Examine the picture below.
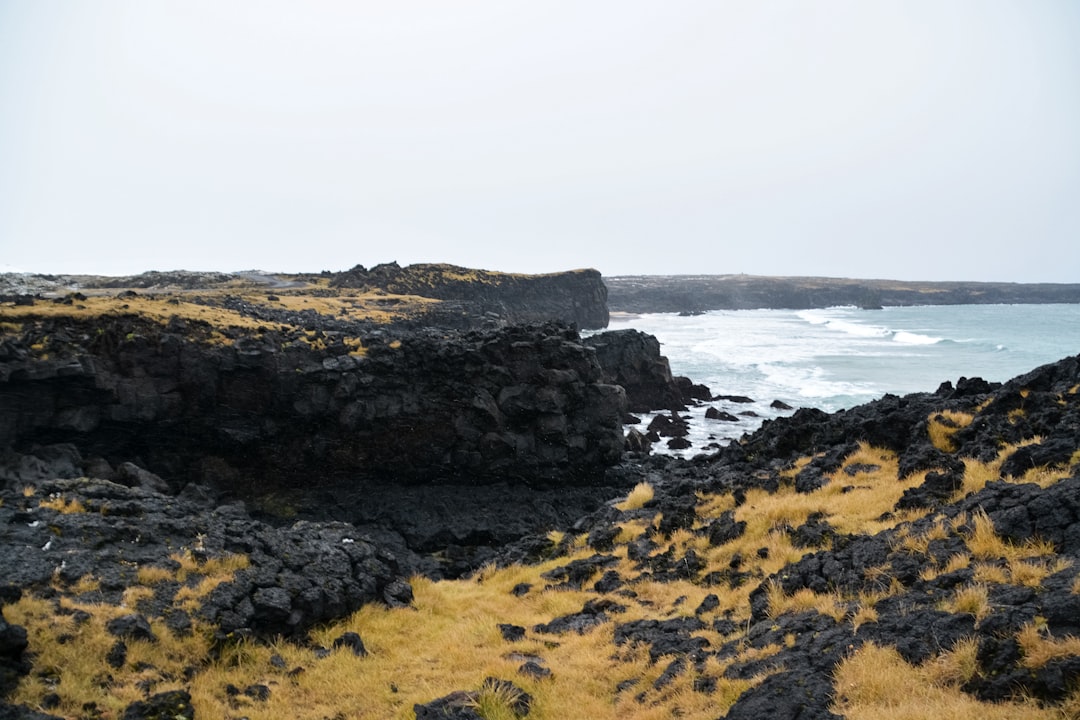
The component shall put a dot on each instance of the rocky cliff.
(526, 404)
(578, 296)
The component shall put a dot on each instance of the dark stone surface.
(298, 576)
(172, 705)
(525, 402)
(632, 359)
(577, 296)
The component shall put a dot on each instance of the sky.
(903, 139)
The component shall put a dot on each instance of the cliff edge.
(577, 296)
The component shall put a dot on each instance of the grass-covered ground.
(450, 638)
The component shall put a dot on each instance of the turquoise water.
(840, 357)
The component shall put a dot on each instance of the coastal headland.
(421, 493)
(700, 293)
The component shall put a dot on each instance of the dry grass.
(876, 684)
(943, 425)
(450, 640)
(225, 564)
(153, 574)
(641, 494)
(991, 573)
(1038, 648)
(920, 544)
(62, 505)
(970, 600)
(956, 562)
(70, 658)
(985, 544)
(163, 307)
(803, 599)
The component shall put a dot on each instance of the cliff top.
(432, 294)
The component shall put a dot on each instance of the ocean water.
(839, 357)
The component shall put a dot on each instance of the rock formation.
(523, 403)
(578, 296)
(632, 360)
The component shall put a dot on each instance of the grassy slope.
(450, 639)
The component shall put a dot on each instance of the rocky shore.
(236, 516)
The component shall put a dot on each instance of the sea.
(839, 357)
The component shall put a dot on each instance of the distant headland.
(700, 293)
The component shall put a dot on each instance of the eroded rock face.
(632, 359)
(577, 296)
(521, 403)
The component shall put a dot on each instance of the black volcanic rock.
(577, 296)
(295, 577)
(13, 665)
(632, 359)
(530, 403)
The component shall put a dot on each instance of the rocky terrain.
(577, 297)
(214, 504)
(700, 293)
(420, 295)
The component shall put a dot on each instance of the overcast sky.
(909, 139)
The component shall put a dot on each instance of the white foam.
(858, 329)
(814, 317)
(810, 382)
(910, 338)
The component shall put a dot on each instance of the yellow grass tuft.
(153, 574)
(85, 584)
(971, 600)
(135, 594)
(62, 505)
(959, 561)
(641, 494)
(803, 599)
(1028, 573)
(920, 544)
(956, 666)
(985, 544)
(1039, 648)
(943, 425)
(991, 573)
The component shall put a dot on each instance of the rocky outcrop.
(525, 403)
(284, 579)
(577, 296)
(632, 359)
